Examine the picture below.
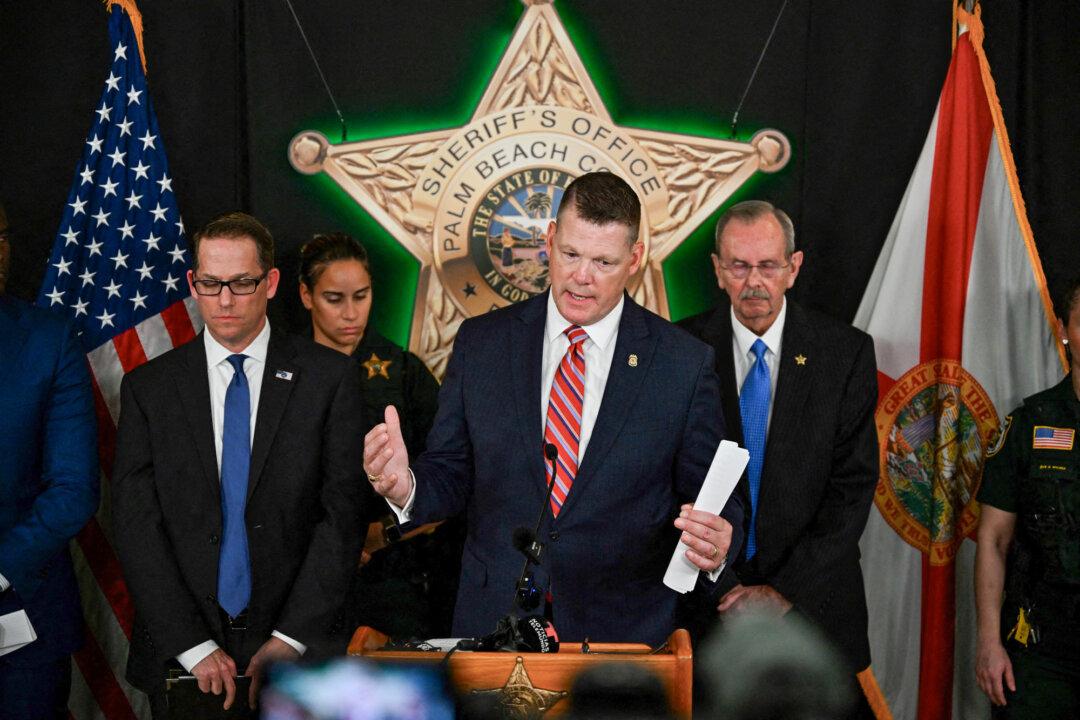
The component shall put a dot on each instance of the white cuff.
(297, 646)
(404, 514)
(4, 584)
(715, 574)
(191, 658)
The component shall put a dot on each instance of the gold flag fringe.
(135, 16)
(976, 32)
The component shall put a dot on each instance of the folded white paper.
(727, 467)
(15, 631)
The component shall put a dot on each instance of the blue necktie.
(234, 568)
(754, 408)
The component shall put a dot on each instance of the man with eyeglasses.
(798, 391)
(236, 491)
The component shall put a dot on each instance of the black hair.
(326, 248)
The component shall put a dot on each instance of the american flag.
(1052, 438)
(117, 268)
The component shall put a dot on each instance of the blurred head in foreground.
(762, 668)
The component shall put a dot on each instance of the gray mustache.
(755, 294)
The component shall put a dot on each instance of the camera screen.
(356, 689)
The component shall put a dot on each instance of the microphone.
(551, 452)
(525, 541)
(527, 595)
(532, 633)
(538, 634)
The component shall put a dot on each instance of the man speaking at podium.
(630, 403)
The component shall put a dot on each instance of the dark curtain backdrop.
(852, 84)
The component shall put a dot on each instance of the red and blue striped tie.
(563, 427)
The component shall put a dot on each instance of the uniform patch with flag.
(963, 329)
(117, 268)
(1052, 438)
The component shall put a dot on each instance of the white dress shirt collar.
(256, 350)
(600, 332)
(745, 337)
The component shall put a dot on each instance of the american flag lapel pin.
(283, 375)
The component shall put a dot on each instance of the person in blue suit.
(631, 402)
(48, 490)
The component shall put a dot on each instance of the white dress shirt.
(742, 340)
(220, 373)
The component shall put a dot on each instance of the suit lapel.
(273, 398)
(718, 334)
(792, 387)
(622, 389)
(193, 387)
(526, 361)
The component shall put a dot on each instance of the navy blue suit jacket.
(655, 436)
(48, 473)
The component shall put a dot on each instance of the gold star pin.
(632, 360)
(800, 359)
(377, 366)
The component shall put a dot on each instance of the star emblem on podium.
(519, 699)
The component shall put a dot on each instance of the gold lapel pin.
(800, 359)
(632, 360)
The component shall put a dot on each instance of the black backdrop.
(852, 84)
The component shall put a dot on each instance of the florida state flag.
(963, 329)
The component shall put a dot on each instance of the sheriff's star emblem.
(519, 699)
(377, 366)
(472, 204)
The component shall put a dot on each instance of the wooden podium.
(540, 682)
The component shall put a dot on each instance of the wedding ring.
(714, 553)
(374, 478)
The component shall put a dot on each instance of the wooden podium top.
(538, 683)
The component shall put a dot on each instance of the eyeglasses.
(239, 286)
(768, 269)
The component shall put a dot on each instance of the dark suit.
(820, 468)
(303, 504)
(48, 479)
(651, 446)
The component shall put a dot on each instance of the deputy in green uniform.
(406, 586)
(1028, 549)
